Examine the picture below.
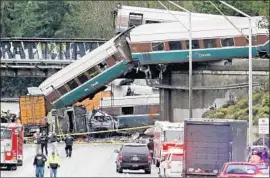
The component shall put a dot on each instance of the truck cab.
(172, 164)
(12, 137)
(167, 135)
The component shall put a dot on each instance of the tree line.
(93, 19)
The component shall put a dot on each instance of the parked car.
(133, 156)
(172, 164)
(240, 169)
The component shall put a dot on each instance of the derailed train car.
(212, 41)
(69, 120)
(89, 75)
(128, 16)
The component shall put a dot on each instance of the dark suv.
(133, 157)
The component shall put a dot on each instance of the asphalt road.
(87, 160)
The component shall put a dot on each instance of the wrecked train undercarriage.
(81, 124)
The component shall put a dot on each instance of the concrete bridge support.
(211, 88)
(165, 99)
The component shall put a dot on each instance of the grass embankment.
(239, 110)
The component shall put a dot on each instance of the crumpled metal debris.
(149, 131)
(135, 136)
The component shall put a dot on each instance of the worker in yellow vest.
(53, 163)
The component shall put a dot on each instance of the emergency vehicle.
(12, 137)
(167, 135)
(172, 164)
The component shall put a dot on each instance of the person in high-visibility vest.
(53, 163)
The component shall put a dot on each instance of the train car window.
(195, 44)
(62, 90)
(159, 46)
(227, 42)
(135, 19)
(53, 96)
(72, 84)
(103, 66)
(93, 72)
(114, 58)
(118, 56)
(175, 45)
(82, 78)
(254, 39)
(127, 110)
(151, 21)
(210, 43)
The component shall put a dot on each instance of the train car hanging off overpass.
(89, 75)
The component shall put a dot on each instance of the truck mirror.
(116, 151)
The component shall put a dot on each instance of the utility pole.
(190, 82)
(250, 120)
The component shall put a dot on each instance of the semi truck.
(209, 143)
(37, 114)
(33, 111)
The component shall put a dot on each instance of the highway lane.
(88, 160)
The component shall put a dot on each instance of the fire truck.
(167, 135)
(12, 138)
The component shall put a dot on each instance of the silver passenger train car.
(89, 75)
(128, 16)
(216, 40)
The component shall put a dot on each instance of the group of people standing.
(53, 161)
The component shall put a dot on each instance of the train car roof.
(72, 70)
(200, 29)
(162, 14)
